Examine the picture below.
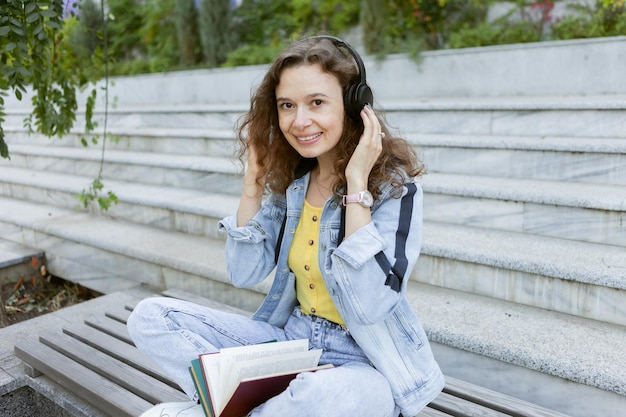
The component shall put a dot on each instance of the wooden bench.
(97, 361)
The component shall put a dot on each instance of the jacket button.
(306, 267)
(314, 218)
(313, 310)
(312, 286)
(311, 242)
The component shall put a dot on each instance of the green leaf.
(23, 71)
(30, 7)
(52, 24)
(32, 17)
(84, 142)
(4, 30)
(10, 46)
(4, 149)
(18, 30)
(18, 94)
(48, 13)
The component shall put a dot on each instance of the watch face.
(366, 199)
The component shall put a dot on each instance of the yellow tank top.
(311, 290)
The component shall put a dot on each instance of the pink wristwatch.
(364, 198)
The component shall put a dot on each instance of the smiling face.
(310, 110)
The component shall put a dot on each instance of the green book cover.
(198, 380)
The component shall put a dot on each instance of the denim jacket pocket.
(404, 326)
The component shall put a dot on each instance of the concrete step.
(207, 173)
(517, 348)
(599, 116)
(578, 278)
(572, 159)
(110, 254)
(168, 208)
(190, 115)
(577, 211)
(194, 202)
(176, 141)
(602, 117)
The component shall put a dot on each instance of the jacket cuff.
(252, 232)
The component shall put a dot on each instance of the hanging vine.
(94, 193)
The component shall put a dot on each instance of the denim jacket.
(366, 275)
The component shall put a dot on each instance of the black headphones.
(357, 95)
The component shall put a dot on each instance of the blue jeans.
(173, 332)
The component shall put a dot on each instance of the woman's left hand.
(366, 153)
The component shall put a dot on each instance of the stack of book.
(235, 380)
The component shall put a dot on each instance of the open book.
(233, 381)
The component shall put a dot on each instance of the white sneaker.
(182, 409)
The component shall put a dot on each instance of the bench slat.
(497, 401)
(121, 314)
(110, 327)
(114, 370)
(117, 349)
(88, 385)
(431, 412)
(462, 408)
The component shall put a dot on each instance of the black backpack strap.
(342, 226)
(280, 238)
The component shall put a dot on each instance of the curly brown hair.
(259, 127)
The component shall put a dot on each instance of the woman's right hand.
(252, 189)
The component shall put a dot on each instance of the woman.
(341, 224)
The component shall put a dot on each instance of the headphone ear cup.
(355, 98)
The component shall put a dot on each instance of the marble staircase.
(522, 279)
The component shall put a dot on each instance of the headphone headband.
(357, 95)
(357, 58)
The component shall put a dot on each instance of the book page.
(211, 369)
(230, 356)
(259, 368)
(278, 365)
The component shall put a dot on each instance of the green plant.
(263, 27)
(324, 16)
(525, 22)
(604, 18)
(158, 34)
(373, 19)
(481, 35)
(252, 55)
(214, 28)
(187, 31)
(416, 25)
(38, 51)
(30, 34)
(94, 192)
